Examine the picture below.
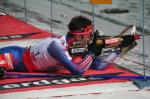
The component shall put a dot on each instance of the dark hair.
(78, 23)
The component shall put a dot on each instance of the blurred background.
(56, 14)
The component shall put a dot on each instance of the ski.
(47, 75)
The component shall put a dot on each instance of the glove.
(127, 40)
(95, 49)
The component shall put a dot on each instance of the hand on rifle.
(128, 40)
(103, 41)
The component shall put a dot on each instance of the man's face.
(79, 40)
(85, 39)
(83, 35)
(78, 44)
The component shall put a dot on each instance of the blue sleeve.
(57, 52)
(100, 64)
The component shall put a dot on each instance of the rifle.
(124, 42)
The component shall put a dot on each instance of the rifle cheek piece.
(99, 42)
